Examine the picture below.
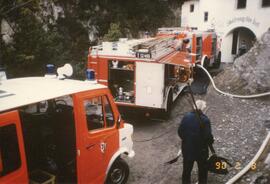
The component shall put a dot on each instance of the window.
(214, 45)
(205, 16)
(108, 113)
(9, 150)
(94, 113)
(241, 4)
(198, 47)
(192, 8)
(99, 113)
(265, 3)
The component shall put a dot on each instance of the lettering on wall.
(244, 20)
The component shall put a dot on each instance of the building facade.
(238, 22)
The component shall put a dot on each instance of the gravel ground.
(262, 172)
(238, 125)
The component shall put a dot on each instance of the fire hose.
(249, 165)
(236, 177)
(266, 140)
(228, 94)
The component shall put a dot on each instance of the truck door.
(149, 84)
(12, 155)
(198, 48)
(214, 47)
(96, 134)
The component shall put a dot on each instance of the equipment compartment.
(121, 80)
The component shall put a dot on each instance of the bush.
(114, 33)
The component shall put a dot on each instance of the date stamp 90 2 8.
(237, 166)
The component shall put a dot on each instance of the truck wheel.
(118, 173)
(218, 61)
(168, 110)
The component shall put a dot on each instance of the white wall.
(224, 17)
(226, 49)
(188, 18)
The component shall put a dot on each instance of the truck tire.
(217, 63)
(167, 111)
(118, 173)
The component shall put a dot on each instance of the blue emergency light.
(90, 74)
(50, 69)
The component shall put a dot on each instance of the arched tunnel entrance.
(237, 42)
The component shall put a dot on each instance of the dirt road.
(238, 126)
(148, 164)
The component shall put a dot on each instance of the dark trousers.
(187, 168)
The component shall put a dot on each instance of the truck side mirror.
(118, 122)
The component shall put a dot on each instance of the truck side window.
(108, 112)
(94, 113)
(9, 150)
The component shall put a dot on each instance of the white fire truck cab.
(61, 130)
(147, 73)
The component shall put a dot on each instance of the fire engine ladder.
(155, 48)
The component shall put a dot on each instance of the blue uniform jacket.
(195, 143)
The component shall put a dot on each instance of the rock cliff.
(250, 73)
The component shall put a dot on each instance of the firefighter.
(187, 45)
(195, 141)
(242, 48)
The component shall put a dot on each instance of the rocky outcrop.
(250, 73)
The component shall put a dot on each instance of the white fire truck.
(151, 72)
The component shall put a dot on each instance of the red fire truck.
(61, 130)
(152, 72)
(204, 46)
(142, 72)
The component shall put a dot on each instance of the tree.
(114, 33)
(37, 41)
(5, 9)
